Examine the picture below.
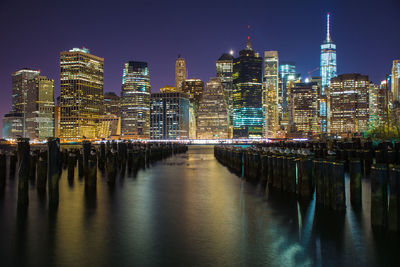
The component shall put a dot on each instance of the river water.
(187, 210)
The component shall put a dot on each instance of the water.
(184, 211)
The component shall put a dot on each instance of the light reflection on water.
(186, 210)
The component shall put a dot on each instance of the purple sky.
(33, 33)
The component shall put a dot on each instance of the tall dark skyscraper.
(247, 94)
(135, 101)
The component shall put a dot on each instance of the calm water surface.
(184, 211)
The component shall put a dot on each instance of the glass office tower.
(135, 101)
(247, 94)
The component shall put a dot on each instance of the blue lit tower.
(247, 94)
(328, 59)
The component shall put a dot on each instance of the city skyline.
(201, 56)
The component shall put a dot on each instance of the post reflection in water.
(186, 210)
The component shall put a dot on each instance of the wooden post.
(379, 196)
(23, 171)
(53, 165)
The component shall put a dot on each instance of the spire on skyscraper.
(248, 43)
(328, 33)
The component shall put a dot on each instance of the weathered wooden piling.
(112, 162)
(338, 186)
(13, 163)
(305, 188)
(102, 156)
(3, 170)
(23, 171)
(355, 182)
(32, 165)
(53, 172)
(394, 199)
(327, 170)
(91, 173)
(379, 196)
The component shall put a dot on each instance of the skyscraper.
(20, 81)
(349, 104)
(396, 80)
(212, 120)
(81, 98)
(247, 94)
(40, 108)
(169, 116)
(112, 104)
(194, 89)
(328, 66)
(180, 72)
(135, 101)
(224, 66)
(303, 107)
(272, 103)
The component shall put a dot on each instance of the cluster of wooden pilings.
(43, 166)
(308, 169)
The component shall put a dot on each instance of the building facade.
(328, 66)
(135, 101)
(396, 80)
(39, 115)
(272, 103)
(13, 125)
(378, 104)
(20, 81)
(81, 98)
(112, 104)
(168, 89)
(349, 104)
(169, 116)
(212, 120)
(224, 67)
(247, 94)
(180, 72)
(303, 108)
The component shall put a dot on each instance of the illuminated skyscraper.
(349, 104)
(40, 108)
(303, 107)
(169, 116)
(328, 66)
(396, 80)
(135, 101)
(272, 103)
(224, 67)
(194, 89)
(212, 120)
(247, 94)
(180, 72)
(20, 81)
(287, 73)
(112, 104)
(81, 98)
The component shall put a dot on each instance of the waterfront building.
(328, 66)
(13, 125)
(20, 81)
(109, 126)
(81, 98)
(272, 102)
(57, 119)
(135, 101)
(247, 94)
(378, 104)
(194, 89)
(180, 72)
(396, 80)
(303, 108)
(112, 104)
(212, 119)
(349, 103)
(224, 67)
(287, 73)
(168, 89)
(192, 122)
(169, 116)
(39, 114)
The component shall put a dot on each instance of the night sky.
(33, 33)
